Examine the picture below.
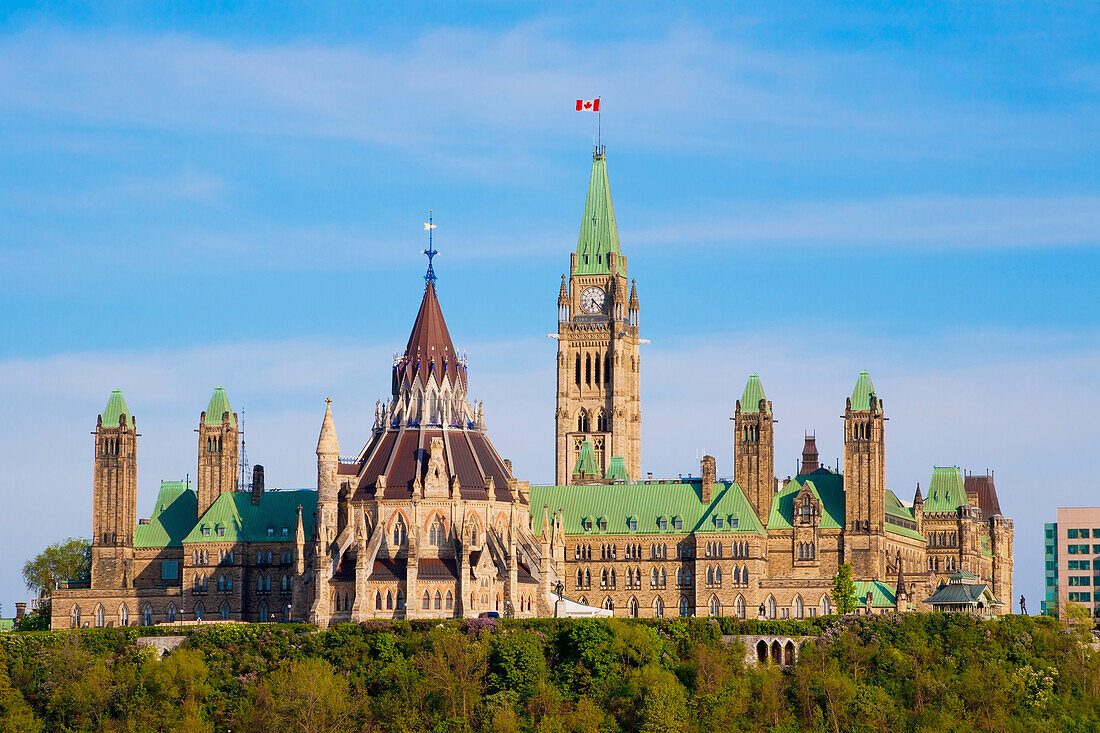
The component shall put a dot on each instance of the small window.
(733, 522)
(205, 531)
(663, 524)
(603, 525)
(678, 523)
(270, 531)
(718, 522)
(632, 524)
(1071, 533)
(221, 531)
(587, 524)
(286, 531)
(1095, 533)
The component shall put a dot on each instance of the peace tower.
(598, 398)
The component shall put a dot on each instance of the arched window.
(426, 601)
(799, 610)
(378, 600)
(826, 605)
(123, 616)
(224, 611)
(745, 574)
(100, 619)
(663, 577)
(399, 532)
(653, 577)
(76, 617)
(739, 606)
(685, 608)
(609, 604)
(171, 613)
(389, 600)
(718, 576)
(450, 601)
(715, 606)
(770, 607)
(438, 601)
(710, 576)
(612, 577)
(633, 607)
(262, 615)
(603, 578)
(200, 611)
(658, 607)
(587, 578)
(400, 601)
(437, 532)
(147, 615)
(587, 370)
(577, 371)
(580, 578)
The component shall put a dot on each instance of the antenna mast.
(244, 481)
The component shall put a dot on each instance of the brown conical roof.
(429, 350)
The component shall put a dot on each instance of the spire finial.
(429, 276)
(328, 400)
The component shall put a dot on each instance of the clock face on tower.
(592, 300)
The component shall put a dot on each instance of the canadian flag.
(588, 105)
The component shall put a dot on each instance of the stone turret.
(328, 457)
(114, 495)
(754, 447)
(219, 450)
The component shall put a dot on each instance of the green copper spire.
(946, 491)
(754, 392)
(219, 404)
(586, 461)
(115, 409)
(599, 235)
(616, 470)
(863, 394)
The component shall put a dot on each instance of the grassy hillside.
(892, 673)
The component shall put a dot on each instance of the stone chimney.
(20, 610)
(709, 473)
(810, 461)
(257, 483)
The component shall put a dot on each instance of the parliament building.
(427, 520)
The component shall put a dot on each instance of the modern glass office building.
(1072, 560)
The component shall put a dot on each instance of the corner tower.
(864, 459)
(754, 447)
(114, 495)
(598, 395)
(219, 448)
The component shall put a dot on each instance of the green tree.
(844, 589)
(68, 560)
(306, 695)
(516, 662)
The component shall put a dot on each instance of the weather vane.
(429, 276)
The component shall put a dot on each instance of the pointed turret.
(219, 450)
(599, 235)
(917, 498)
(219, 408)
(754, 447)
(429, 351)
(328, 457)
(863, 395)
(563, 293)
(587, 470)
(116, 410)
(753, 395)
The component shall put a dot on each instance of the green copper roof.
(827, 486)
(894, 508)
(864, 392)
(884, 596)
(945, 491)
(599, 235)
(586, 461)
(173, 517)
(754, 392)
(115, 409)
(654, 508)
(244, 521)
(219, 405)
(616, 470)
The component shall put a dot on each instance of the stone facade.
(427, 520)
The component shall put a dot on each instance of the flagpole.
(599, 125)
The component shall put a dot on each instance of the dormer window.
(270, 531)
(286, 531)
(220, 530)
(205, 531)
(734, 522)
(632, 524)
(602, 524)
(718, 522)
(587, 524)
(677, 523)
(662, 523)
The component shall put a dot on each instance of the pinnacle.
(326, 441)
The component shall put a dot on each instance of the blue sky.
(234, 195)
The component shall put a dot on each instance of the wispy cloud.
(936, 221)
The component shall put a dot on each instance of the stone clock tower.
(598, 362)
